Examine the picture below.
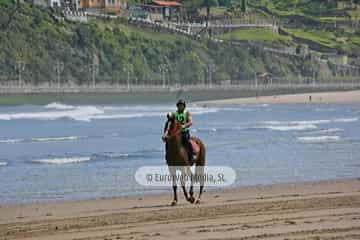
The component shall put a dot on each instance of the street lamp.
(59, 68)
(211, 71)
(256, 80)
(93, 69)
(169, 69)
(20, 67)
(163, 69)
(128, 69)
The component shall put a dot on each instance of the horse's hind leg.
(199, 172)
(191, 191)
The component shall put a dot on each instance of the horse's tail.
(201, 161)
(200, 166)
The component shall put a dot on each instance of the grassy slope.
(315, 23)
(327, 39)
(255, 34)
(36, 38)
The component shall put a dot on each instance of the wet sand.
(312, 210)
(341, 97)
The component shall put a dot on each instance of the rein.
(174, 133)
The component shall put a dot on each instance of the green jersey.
(182, 117)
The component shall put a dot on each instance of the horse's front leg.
(200, 174)
(183, 177)
(175, 200)
(174, 185)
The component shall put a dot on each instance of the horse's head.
(174, 128)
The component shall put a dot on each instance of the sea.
(56, 151)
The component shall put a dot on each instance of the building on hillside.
(66, 5)
(54, 3)
(106, 6)
(170, 10)
(159, 11)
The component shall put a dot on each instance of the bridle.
(172, 130)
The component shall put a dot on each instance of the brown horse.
(177, 159)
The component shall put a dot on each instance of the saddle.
(196, 148)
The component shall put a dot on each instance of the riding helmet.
(181, 101)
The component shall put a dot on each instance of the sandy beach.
(312, 210)
(341, 97)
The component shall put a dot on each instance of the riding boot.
(187, 143)
(191, 153)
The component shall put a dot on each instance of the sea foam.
(58, 106)
(54, 111)
(55, 139)
(2, 164)
(59, 161)
(319, 139)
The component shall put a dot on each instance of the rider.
(185, 118)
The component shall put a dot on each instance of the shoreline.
(280, 210)
(194, 94)
(333, 97)
(165, 192)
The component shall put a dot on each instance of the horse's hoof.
(197, 201)
(191, 199)
(173, 203)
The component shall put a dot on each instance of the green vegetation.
(255, 34)
(327, 39)
(299, 7)
(38, 38)
(344, 43)
(325, 26)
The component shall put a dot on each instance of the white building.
(54, 3)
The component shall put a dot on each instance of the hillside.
(40, 39)
(326, 26)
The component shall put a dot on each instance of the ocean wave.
(319, 139)
(62, 160)
(142, 114)
(126, 115)
(262, 105)
(325, 109)
(157, 108)
(55, 139)
(304, 122)
(330, 130)
(200, 111)
(59, 106)
(12, 140)
(83, 113)
(204, 129)
(139, 108)
(112, 155)
(88, 113)
(346, 120)
(40, 139)
(291, 127)
(2, 164)
(321, 121)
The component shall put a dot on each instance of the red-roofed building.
(171, 10)
(160, 11)
(167, 3)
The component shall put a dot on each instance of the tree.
(208, 4)
(243, 6)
